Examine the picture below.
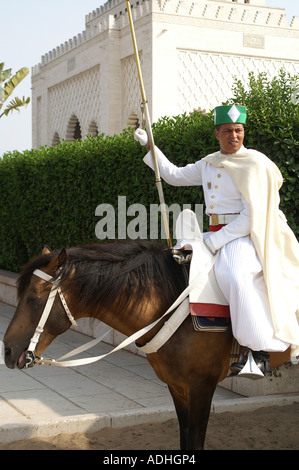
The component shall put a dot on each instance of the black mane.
(101, 272)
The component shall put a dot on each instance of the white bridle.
(30, 353)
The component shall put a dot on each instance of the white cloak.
(248, 183)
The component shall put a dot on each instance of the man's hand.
(141, 136)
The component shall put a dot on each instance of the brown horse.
(127, 285)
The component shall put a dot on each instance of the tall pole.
(149, 130)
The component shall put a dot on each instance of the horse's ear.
(46, 250)
(56, 262)
(61, 258)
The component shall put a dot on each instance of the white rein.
(182, 310)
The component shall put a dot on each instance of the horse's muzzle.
(9, 358)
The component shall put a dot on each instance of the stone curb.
(94, 422)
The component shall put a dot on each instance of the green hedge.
(49, 196)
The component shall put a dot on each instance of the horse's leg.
(192, 364)
(181, 409)
(199, 404)
(193, 410)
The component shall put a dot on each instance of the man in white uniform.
(250, 235)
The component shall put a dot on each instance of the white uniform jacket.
(220, 193)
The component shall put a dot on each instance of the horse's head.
(31, 305)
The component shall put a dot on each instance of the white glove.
(141, 136)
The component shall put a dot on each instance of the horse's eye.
(33, 300)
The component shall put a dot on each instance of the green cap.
(228, 114)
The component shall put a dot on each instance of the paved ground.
(120, 390)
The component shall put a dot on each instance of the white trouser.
(240, 277)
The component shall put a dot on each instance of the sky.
(29, 29)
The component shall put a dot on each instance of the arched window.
(77, 132)
(73, 131)
(93, 129)
(56, 140)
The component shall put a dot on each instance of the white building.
(190, 51)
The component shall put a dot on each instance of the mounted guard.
(257, 254)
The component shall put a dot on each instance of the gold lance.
(144, 105)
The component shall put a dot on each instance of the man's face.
(230, 137)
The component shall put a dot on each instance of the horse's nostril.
(9, 362)
(7, 353)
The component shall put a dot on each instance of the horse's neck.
(141, 309)
(136, 316)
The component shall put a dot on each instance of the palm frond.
(15, 104)
(4, 74)
(14, 81)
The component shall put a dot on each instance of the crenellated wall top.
(113, 15)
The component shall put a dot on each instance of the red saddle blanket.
(210, 317)
(210, 310)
